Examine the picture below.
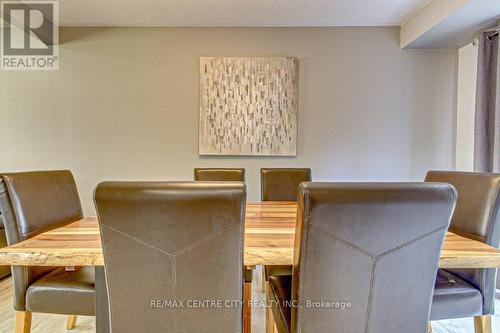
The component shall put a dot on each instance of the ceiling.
(237, 12)
(460, 27)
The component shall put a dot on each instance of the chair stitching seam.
(137, 240)
(174, 276)
(370, 296)
(340, 240)
(206, 239)
(369, 254)
(399, 247)
(190, 247)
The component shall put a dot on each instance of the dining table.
(268, 240)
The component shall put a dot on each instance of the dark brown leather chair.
(32, 203)
(223, 175)
(281, 184)
(219, 174)
(360, 245)
(4, 270)
(170, 242)
(463, 293)
(238, 175)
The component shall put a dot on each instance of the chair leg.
(482, 324)
(269, 313)
(23, 322)
(263, 278)
(71, 323)
(429, 329)
(247, 308)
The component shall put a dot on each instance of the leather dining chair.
(358, 247)
(32, 203)
(238, 175)
(279, 184)
(4, 270)
(461, 293)
(219, 174)
(169, 248)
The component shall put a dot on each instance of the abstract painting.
(248, 106)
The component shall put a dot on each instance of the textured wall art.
(248, 106)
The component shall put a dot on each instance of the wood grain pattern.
(77, 244)
(269, 237)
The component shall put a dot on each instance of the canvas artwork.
(248, 106)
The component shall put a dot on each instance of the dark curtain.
(487, 122)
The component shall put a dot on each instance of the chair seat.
(454, 298)
(280, 297)
(277, 270)
(63, 292)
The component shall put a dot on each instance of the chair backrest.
(4, 270)
(476, 216)
(167, 244)
(282, 184)
(32, 203)
(373, 248)
(219, 174)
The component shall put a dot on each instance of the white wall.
(466, 99)
(124, 105)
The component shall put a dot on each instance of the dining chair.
(219, 174)
(232, 174)
(461, 293)
(173, 254)
(279, 184)
(4, 270)
(365, 259)
(32, 203)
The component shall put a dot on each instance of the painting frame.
(248, 106)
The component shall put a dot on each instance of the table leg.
(101, 297)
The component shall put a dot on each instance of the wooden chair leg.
(247, 308)
(71, 323)
(23, 322)
(429, 329)
(482, 324)
(263, 278)
(269, 313)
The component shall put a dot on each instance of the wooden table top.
(269, 235)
